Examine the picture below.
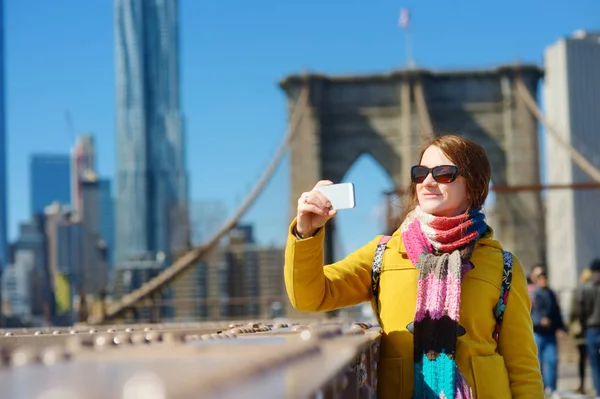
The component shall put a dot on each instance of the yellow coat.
(514, 373)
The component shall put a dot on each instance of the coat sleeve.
(312, 287)
(517, 344)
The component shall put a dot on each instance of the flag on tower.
(404, 18)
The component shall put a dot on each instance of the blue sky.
(60, 56)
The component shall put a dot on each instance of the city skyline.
(235, 74)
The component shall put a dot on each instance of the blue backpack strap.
(376, 271)
(504, 291)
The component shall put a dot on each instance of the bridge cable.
(197, 253)
(576, 156)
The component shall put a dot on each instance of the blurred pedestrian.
(588, 311)
(547, 323)
(577, 333)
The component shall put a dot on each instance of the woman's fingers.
(324, 183)
(310, 208)
(315, 197)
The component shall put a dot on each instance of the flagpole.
(409, 56)
(405, 24)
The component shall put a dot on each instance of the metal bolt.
(137, 339)
(38, 333)
(306, 335)
(356, 330)
(100, 341)
(229, 335)
(22, 357)
(8, 334)
(52, 355)
(362, 326)
(191, 337)
(169, 338)
(152, 336)
(55, 332)
(120, 339)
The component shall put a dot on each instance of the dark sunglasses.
(442, 174)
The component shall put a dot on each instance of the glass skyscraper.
(151, 196)
(3, 192)
(50, 178)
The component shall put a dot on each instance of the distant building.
(95, 266)
(50, 181)
(3, 157)
(152, 196)
(107, 220)
(92, 201)
(64, 235)
(245, 279)
(32, 238)
(83, 163)
(131, 275)
(572, 102)
(16, 283)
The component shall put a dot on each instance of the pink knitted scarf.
(440, 248)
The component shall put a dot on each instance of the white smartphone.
(340, 195)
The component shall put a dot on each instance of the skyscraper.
(572, 101)
(151, 198)
(3, 193)
(95, 271)
(50, 181)
(107, 219)
(83, 163)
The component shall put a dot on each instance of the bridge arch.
(387, 116)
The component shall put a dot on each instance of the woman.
(441, 276)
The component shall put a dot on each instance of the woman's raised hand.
(314, 210)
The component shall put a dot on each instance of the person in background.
(547, 323)
(588, 312)
(531, 286)
(577, 333)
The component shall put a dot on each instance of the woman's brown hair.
(472, 162)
